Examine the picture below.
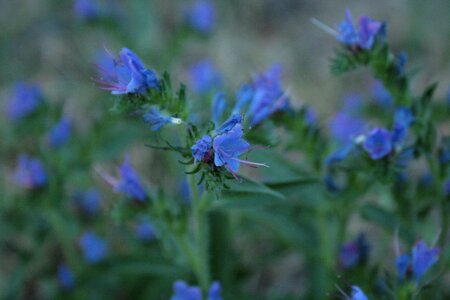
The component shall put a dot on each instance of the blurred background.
(56, 45)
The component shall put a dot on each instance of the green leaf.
(289, 231)
(247, 193)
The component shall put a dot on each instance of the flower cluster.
(364, 35)
(227, 146)
(265, 94)
(126, 74)
(381, 142)
(30, 173)
(421, 260)
(182, 291)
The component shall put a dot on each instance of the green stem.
(325, 260)
(200, 233)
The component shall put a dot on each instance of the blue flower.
(381, 95)
(201, 16)
(355, 252)
(60, 133)
(268, 96)
(214, 291)
(65, 277)
(203, 77)
(25, 100)
(128, 182)
(218, 107)
(423, 258)
(402, 120)
(243, 96)
(157, 120)
(363, 36)
(378, 143)
(402, 263)
(228, 147)
(126, 75)
(201, 150)
(88, 201)
(229, 123)
(94, 248)
(344, 127)
(182, 291)
(86, 9)
(30, 173)
(340, 154)
(400, 62)
(310, 116)
(144, 230)
(358, 294)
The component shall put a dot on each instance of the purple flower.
(402, 120)
(363, 36)
(228, 147)
(381, 95)
(30, 173)
(340, 154)
(182, 291)
(354, 252)
(88, 201)
(218, 107)
(423, 258)
(144, 230)
(214, 291)
(126, 74)
(128, 183)
(59, 134)
(25, 100)
(378, 143)
(201, 16)
(344, 127)
(65, 277)
(268, 96)
(358, 294)
(86, 9)
(157, 120)
(94, 248)
(201, 150)
(203, 77)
